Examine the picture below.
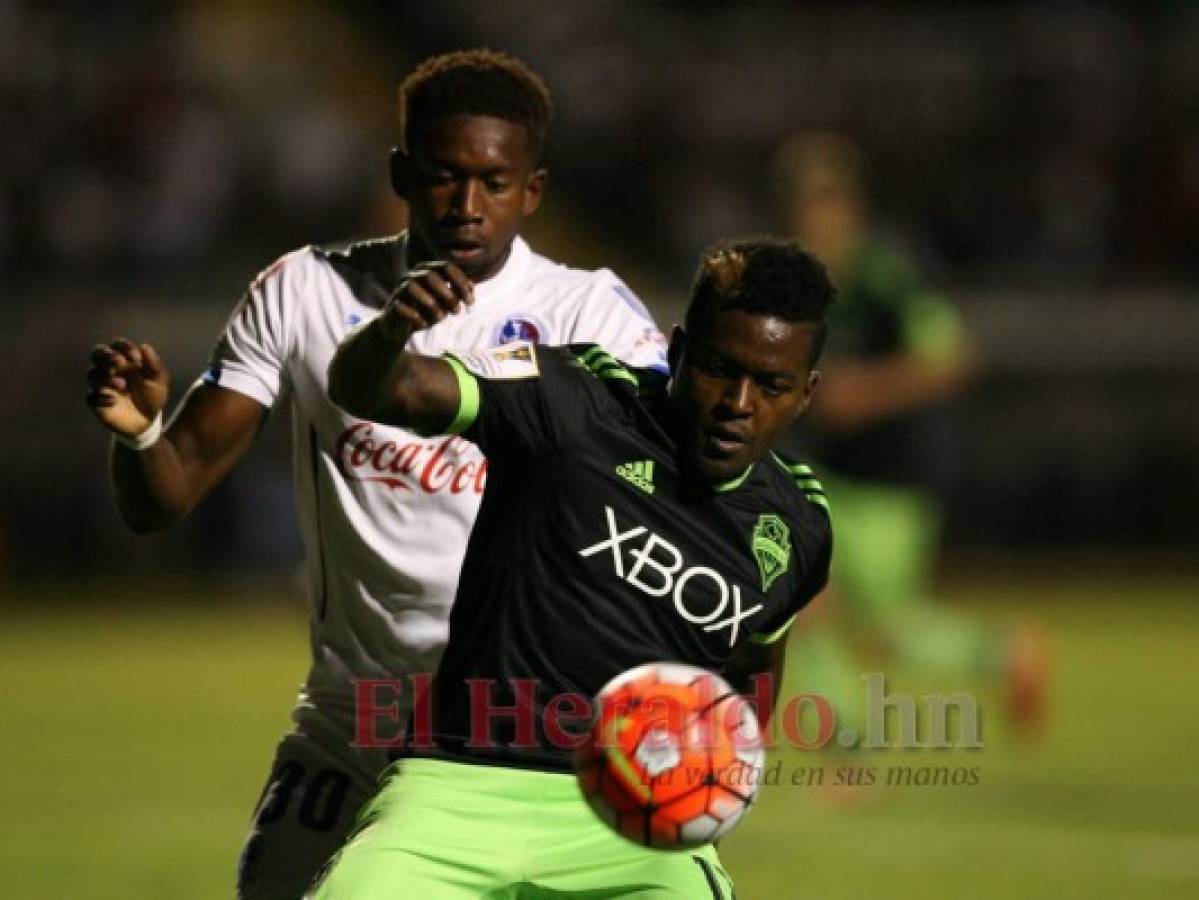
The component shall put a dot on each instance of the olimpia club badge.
(772, 548)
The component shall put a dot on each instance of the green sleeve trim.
(774, 635)
(621, 374)
(805, 480)
(600, 363)
(468, 398)
(591, 353)
(819, 501)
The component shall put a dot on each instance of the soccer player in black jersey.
(626, 519)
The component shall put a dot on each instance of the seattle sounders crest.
(772, 548)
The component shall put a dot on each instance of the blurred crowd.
(1036, 142)
(157, 134)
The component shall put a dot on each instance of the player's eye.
(713, 367)
(438, 178)
(773, 387)
(496, 185)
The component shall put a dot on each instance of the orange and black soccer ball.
(674, 757)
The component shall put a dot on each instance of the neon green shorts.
(451, 830)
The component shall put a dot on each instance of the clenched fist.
(128, 385)
(427, 295)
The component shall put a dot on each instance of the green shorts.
(450, 830)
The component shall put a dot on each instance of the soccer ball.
(674, 757)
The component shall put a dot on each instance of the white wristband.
(146, 439)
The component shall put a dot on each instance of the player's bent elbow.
(342, 390)
(393, 403)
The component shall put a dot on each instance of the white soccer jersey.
(386, 514)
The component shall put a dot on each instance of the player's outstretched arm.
(159, 476)
(373, 377)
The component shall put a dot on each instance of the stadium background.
(1041, 159)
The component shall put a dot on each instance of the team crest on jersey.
(520, 328)
(772, 548)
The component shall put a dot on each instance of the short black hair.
(766, 275)
(477, 82)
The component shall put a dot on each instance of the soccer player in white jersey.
(385, 514)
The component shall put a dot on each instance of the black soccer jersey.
(591, 554)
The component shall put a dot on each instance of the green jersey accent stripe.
(819, 500)
(594, 351)
(621, 375)
(805, 479)
(602, 364)
(733, 483)
(594, 359)
(774, 635)
(599, 366)
(468, 398)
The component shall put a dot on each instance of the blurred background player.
(882, 431)
(385, 513)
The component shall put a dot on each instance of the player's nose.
(737, 397)
(465, 200)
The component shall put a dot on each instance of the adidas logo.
(639, 473)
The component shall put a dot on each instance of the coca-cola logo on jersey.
(440, 465)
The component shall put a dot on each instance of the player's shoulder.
(799, 486)
(596, 365)
(595, 286)
(366, 253)
(586, 371)
(293, 265)
(355, 261)
(586, 365)
(542, 268)
(370, 268)
(799, 503)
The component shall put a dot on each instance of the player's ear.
(674, 354)
(535, 188)
(399, 165)
(809, 388)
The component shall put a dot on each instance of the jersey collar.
(723, 487)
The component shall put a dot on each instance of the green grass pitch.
(136, 738)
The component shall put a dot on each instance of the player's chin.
(477, 261)
(716, 469)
